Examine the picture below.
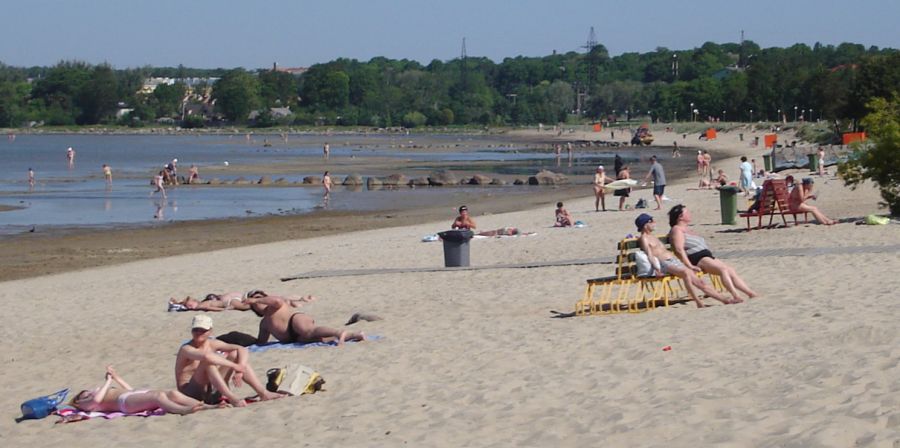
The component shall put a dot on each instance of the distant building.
(296, 71)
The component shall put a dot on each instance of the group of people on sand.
(208, 370)
(691, 255)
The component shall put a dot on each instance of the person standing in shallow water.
(30, 179)
(326, 150)
(107, 174)
(326, 184)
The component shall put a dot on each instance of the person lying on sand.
(692, 250)
(233, 301)
(659, 256)
(287, 325)
(465, 222)
(205, 366)
(127, 400)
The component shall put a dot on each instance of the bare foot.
(736, 300)
(700, 304)
(271, 396)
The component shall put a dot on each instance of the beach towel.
(70, 414)
(256, 348)
(504, 236)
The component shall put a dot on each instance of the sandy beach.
(476, 358)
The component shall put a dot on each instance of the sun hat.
(642, 220)
(201, 321)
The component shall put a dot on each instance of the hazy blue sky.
(253, 34)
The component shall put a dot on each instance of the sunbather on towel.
(205, 366)
(656, 252)
(127, 400)
(287, 325)
(233, 301)
(465, 222)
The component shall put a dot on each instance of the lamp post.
(795, 114)
(692, 111)
(778, 117)
(810, 115)
(751, 115)
(675, 116)
(723, 115)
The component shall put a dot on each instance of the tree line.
(731, 82)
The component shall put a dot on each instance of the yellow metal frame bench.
(628, 292)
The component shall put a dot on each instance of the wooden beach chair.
(773, 201)
(627, 291)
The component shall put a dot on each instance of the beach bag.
(41, 407)
(641, 203)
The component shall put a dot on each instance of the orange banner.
(710, 134)
(770, 140)
(598, 127)
(851, 137)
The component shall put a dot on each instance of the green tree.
(98, 95)
(167, 99)
(236, 95)
(878, 160)
(278, 89)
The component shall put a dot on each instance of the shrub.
(878, 159)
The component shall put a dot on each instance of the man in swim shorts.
(280, 320)
(669, 264)
(205, 366)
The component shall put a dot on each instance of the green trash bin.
(813, 161)
(728, 204)
(767, 162)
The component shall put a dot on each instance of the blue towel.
(281, 345)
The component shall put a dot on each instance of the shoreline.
(66, 249)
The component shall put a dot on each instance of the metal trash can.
(456, 247)
(728, 204)
(767, 162)
(813, 161)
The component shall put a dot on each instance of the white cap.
(600, 167)
(175, 160)
(201, 321)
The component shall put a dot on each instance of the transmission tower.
(591, 58)
(463, 66)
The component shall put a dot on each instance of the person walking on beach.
(600, 180)
(623, 193)
(675, 152)
(70, 156)
(821, 161)
(746, 176)
(204, 367)
(326, 150)
(658, 175)
(107, 174)
(669, 264)
(30, 179)
(618, 164)
(158, 183)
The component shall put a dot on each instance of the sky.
(299, 33)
